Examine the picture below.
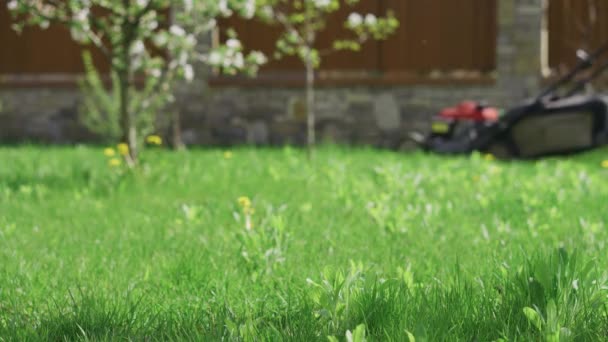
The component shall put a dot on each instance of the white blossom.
(233, 43)
(209, 25)
(152, 25)
(258, 57)
(12, 5)
(188, 5)
(371, 19)
(355, 19)
(249, 9)
(161, 40)
(182, 58)
(239, 61)
(188, 72)
(44, 24)
(149, 21)
(138, 48)
(215, 58)
(227, 62)
(190, 41)
(78, 35)
(177, 31)
(321, 3)
(82, 16)
(155, 72)
(223, 7)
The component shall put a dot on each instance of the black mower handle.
(586, 61)
(581, 84)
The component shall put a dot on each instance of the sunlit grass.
(252, 244)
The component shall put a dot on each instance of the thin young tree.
(302, 22)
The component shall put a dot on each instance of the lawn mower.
(549, 124)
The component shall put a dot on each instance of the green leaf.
(534, 318)
(358, 335)
(410, 336)
(552, 318)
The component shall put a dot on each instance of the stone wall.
(380, 116)
(41, 115)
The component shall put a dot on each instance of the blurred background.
(443, 52)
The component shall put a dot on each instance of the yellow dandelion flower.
(227, 155)
(154, 140)
(495, 170)
(244, 202)
(114, 162)
(489, 157)
(123, 149)
(605, 164)
(109, 152)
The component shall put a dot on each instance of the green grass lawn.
(401, 245)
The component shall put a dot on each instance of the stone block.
(296, 109)
(332, 132)
(506, 13)
(386, 112)
(287, 132)
(257, 133)
(262, 112)
(361, 111)
(228, 135)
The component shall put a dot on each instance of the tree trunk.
(310, 107)
(310, 88)
(177, 142)
(129, 128)
(175, 121)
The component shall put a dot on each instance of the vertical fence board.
(442, 34)
(570, 27)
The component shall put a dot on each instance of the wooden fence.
(575, 24)
(434, 35)
(38, 51)
(443, 35)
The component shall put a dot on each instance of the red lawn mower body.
(471, 111)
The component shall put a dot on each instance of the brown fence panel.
(434, 35)
(575, 24)
(37, 51)
(485, 33)
(416, 46)
(443, 35)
